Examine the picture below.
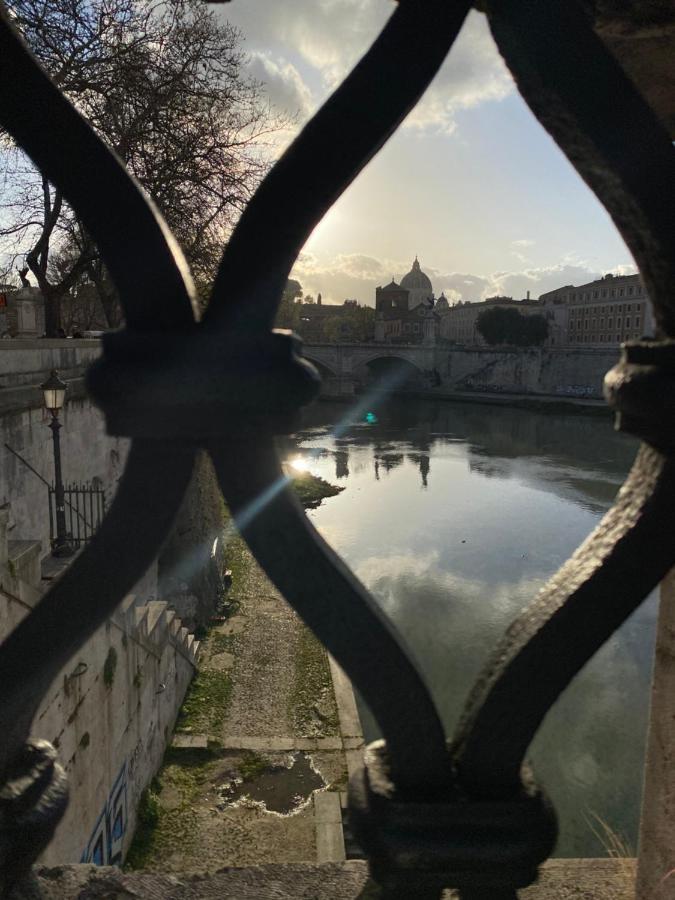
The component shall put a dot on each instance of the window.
(602, 323)
(416, 326)
(613, 292)
(621, 293)
(628, 320)
(630, 290)
(610, 323)
(618, 322)
(604, 292)
(629, 307)
(596, 294)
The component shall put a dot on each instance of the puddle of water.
(284, 790)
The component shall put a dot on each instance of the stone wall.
(110, 712)
(191, 563)
(552, 372)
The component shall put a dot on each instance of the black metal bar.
(582, 96)
(81, 600)
(141, 254)
(51, 515)
(337, 608)
(320, 164)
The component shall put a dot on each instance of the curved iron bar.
(339, 611)
(583, 98)
(298, 191)
(325, 158)
(583, 604)
(626, 156)
(142, 255)
(145, 263)
(128, 539)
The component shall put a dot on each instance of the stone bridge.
(346, 367)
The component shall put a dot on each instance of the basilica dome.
(418, 286)
(416, 280)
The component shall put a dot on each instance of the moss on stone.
(109, 667)
(311, 489)
(203, 709)
(161, 831)
(252, 765)
(311, 702)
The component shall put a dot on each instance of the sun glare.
(300, 464)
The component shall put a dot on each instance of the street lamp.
(54, 392)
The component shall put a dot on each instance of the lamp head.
(54, 393)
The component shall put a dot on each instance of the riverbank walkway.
(258, 767)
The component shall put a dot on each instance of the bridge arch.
(393, 370)
(324, 368)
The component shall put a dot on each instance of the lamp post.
(54, 393)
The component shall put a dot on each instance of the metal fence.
(429, 811)
(84, 508)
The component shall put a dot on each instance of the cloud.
(357, 275)
(523, 242)
(473, 73)
(323, 39)
(283, 84)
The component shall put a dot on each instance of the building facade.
(602, 313)
(405, 313)
(458, 322)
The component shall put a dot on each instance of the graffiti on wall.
(105, 844)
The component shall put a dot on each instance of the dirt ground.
(259, 716)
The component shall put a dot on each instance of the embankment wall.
(552, 372)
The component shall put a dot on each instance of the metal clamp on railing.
(201, 386)
(32, 801)
(448, 839)
(641, 388)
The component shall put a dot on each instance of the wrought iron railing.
(84, 508)
(429, 813)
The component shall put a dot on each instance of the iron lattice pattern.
(434, 813)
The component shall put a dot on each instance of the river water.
(454, 515)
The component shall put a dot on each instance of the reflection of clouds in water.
(594, 731)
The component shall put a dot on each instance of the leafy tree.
(162, 84)
(288, 314)
(509, 326)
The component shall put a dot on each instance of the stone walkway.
(282, 727)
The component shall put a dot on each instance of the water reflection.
(454, 516)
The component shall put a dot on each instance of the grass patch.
(161, 831)
(311, 489)
(221, 643)
(312, 684)
(252, 765)
(203, 709)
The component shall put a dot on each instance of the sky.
(470, 183)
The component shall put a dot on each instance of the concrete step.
(156, 611)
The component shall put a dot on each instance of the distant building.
(320, 322)
(458, 322)
(404, 313)
(602, 313)
(22, 312)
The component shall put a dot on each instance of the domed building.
(418, 285)
(404, 312)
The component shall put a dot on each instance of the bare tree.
(163, 84)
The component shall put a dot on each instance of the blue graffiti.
(105, 846)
